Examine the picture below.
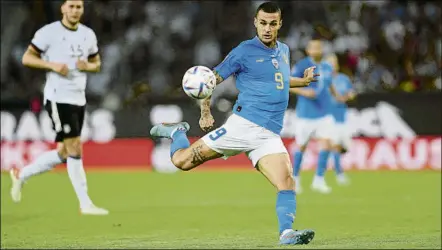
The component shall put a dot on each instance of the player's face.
(267, 26)
(73, 10)
(314, 49)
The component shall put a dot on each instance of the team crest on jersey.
(275, 63)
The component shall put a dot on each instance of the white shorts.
(321, 128)
(341, 135)
(239, 135)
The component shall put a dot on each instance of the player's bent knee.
(73, 146)
(181, 161)
(277, 169)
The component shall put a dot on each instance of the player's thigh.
(52, 110)
(304, 130)
(272, 160)
(236, 136)
(196, 154)
(71, 119)
(277, 169)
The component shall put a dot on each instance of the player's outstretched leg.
(43, 163)
(184, 156)
(277, 169)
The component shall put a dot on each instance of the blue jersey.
(263, 80)
(343, 86)
(319, 106)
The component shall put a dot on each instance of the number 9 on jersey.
(279, 79)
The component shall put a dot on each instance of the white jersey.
(59, 44)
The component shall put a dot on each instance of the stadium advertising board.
(390, 133)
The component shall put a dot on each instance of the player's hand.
(310, 76)
(206, 122)
(82, 65)
(60, 68)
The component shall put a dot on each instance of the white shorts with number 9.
(239, 135)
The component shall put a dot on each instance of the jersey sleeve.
(93, 50)
(230, 65)
(41, 40)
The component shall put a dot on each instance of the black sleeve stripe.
(93, 55)
(37, 48)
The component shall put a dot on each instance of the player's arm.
(32, 58)
(230, 65)
(93, 63)
(336, 95)
(39, 44)
(205, 104)
(309, 76)
(298, 78)
(296, 82)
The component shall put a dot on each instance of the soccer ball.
(199, 82)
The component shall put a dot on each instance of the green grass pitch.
(222, 210)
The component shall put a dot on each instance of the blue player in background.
(314, 117)
(261, 67)
(341, 139)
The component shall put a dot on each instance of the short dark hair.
(268, 7)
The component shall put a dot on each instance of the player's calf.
(76, 171)
(193, 156)
(277, 169)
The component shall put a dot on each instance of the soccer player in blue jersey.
(261, 67)
(341, 139)
(313, 110)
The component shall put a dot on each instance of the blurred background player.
(256, 122)
(69, 49)
(341, 140)
(313, 113)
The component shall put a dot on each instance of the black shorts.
(67, 119)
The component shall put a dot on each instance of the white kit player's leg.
(43, 163)
(78, 179)
(72, 117)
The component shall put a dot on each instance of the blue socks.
(337, 161)
(286, 209)
(322, 163)
(179, 141)
(297, 160)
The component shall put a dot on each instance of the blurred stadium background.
(390, 49)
